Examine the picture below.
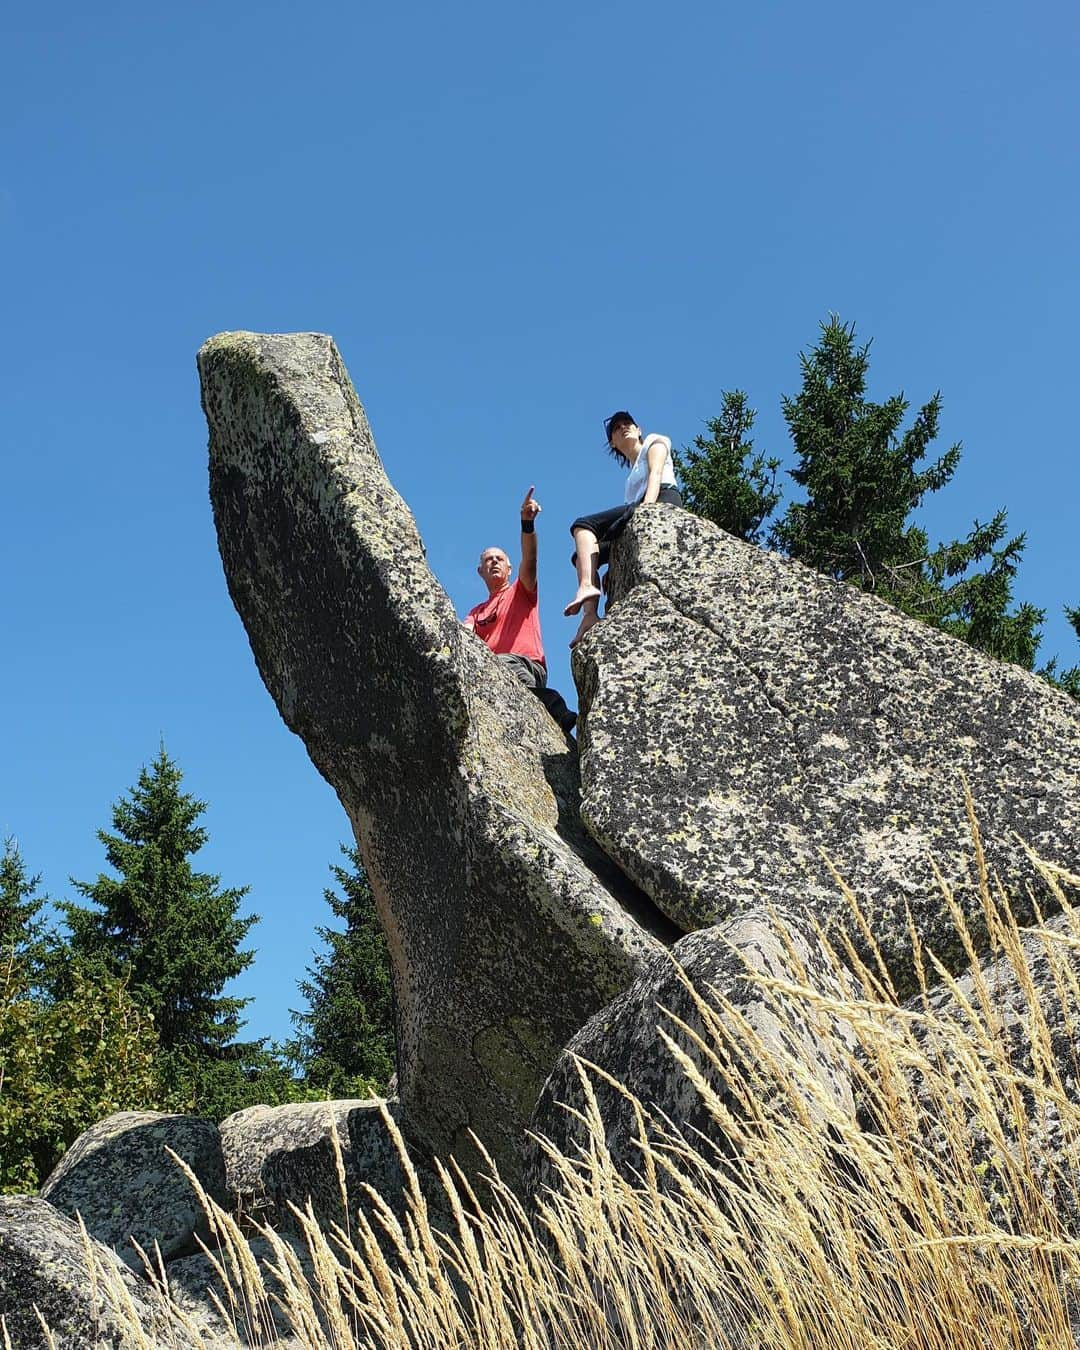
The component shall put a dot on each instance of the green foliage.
(864, 476)
(1068, 680)
(723, 479)
(64, 1064)
(22, 929)
(346, 1040)
(243, 1075)
(170, 930)
(859, 470)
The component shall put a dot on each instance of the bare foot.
(587, 621)
(584, 593)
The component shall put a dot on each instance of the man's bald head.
(494, 569)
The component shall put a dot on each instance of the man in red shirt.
(508, 621)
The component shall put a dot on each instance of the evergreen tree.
(172, 932)
(346, 1041)
(859, 471)
(723, 479)
(22, 929)
(864, 476)
(1068, 680)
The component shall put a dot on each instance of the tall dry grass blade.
(49, 1339)
(883, 978)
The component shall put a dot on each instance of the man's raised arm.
(530, 509)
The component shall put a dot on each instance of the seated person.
(508, 621)
(651, 479)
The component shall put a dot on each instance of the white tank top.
(639, 474)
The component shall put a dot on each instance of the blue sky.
(512, 220)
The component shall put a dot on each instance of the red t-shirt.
(509, 621)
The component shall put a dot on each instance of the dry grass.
(938, 1226)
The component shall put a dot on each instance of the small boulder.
(275, 1155)
(44, 1276)
(195, 1283)
(1036, 992)
(622, 1040)
(118, 1176)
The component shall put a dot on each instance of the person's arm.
(657, 453)
(530, 509)
(469, 622)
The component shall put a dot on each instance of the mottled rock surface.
(118, 1176)
(194, 1281)
(1029, 1010)
(275, 1155)
(43, 1265)
(507, 927)
(742, 714)
(622, 1040)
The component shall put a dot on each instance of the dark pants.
(608, 525)
(534, 676)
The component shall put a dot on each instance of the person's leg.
(530, 673)
(554, 702)
(587, 555)
(590, 615)
(587, 532)
(533, 674)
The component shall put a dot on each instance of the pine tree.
(858, 469)
(22, 928)
(723, 479)
(170, 931)
(346, 1041)
(863, 479)
(1068, 680)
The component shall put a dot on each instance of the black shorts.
(608, 525)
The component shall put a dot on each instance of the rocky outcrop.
(708, 995)
(196, 1287)
(507, 927)
(44, 1278)
(118, 1176)
(1008, 1033)
(281, 1155)
(742, 716)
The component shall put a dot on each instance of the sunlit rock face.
(119, 1176)
(45, 1277)
(281, 1158)
(507, 927)
(742, 1036)
(745, 721)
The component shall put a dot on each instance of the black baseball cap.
(617, 419)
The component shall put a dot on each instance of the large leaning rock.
(504, 931)
(120, 1178)
(776, 716)
(782, 1051)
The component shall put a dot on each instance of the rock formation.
(507, 928)
(277, 1155)
(743, 718)
(1019, 1009)
(727, 963)
(43, 1270)
(120, 1179)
